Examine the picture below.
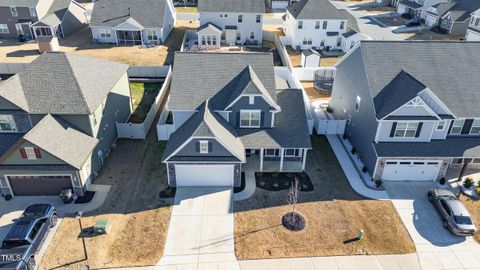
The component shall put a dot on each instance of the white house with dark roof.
(230, 22)
(409, 115)
(319, 24)
(473, 30)
(237, 118)
(58, 123)
(417, 8)
(132, 22)
(453, 17)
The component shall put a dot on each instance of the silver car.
(455, 216)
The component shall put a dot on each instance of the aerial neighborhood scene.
(240, 135)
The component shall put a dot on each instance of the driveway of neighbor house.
(436, 247)
(200, 233)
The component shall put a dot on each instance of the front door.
(230, 36)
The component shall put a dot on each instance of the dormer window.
(441, 125)
(457, 126)
(14, 12)
(7, 123)
(204, 147)
(475, 129)
(250, 118)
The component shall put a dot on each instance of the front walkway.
(200, 234)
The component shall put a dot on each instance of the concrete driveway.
(437, 248)
(200, 232)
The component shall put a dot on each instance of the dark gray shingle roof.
(246, 6)
(317, 10)
(451, 147)
(55, 14)
(460, 10)
(201, 76)
(448, 69)
(7, 140)
(403, 88)
(411, 4)
(19, 3)
(208, 25)
(148, 13)
(61, 83)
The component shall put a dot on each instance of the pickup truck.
(26, 236)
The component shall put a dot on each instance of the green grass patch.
(186, 9)
(143, 96)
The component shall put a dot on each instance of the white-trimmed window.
(325, 24)
(317, 25)
(33, 12)
(300, 24)
(441, 125)
(307, 41)
(406, 129)
(357, 103)
(4, 29)
(292, 152)
(152, 35)
(239, 35)
(252, 35)
(342, 25)
(7, 123)
(258, 18)
(272, 152)
(250, 119)
(475, 130)
(14, 12)
(203, 147)
(457, 126)
(251, 100)
(240, 18)
(105, 33)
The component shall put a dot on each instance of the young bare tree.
(293, 196)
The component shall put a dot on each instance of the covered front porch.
(276, 160)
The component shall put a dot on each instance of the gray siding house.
(57, 122)
(229, 115)
(132, 22)
(453, 17)
(410, 106)
(33, 18)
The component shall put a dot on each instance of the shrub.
(477, 191)
(378, 183)
(353, 151)
(407, 16)
(442, 181)
(468, 182)
(364, 169)
(274, 174)
(329, 109)
(289, 175)
(258, 174)
(8, 197)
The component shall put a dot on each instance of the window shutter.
(197, 147)
(210, 147)
(262, 119)
(392, 131)
(419, 129)
(450, 127)
(467, 126)
(238, 119)
(23, 153)
(38, 154)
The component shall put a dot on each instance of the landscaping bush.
(329, 109)
(442, 181)
(364, 169)
(275, 174)
(407, 16)
(477, 191)
(258, 174)
(378, 183)
(353, 151)
(468, 182)
(478, 183)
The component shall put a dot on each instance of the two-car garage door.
(46, 185)
(399, 170)
(204, 175)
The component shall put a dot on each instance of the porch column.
(304, 161)
(261, 159)
(281, 159)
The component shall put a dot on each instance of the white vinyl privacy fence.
(140, 131)
(164, 129)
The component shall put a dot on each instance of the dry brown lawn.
(312, 93)
(329, 61)
(473, 207)
(277, 30)
(81, 43)
(295, 56)
(139, 219)
(430, 35)
(333, 212)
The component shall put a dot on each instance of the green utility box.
(101, 226)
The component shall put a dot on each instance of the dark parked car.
(453, 213)
(26, 237)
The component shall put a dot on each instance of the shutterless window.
(33, 12)
(204, 40)
(105, 33)
(475, 130)
(214, 40)
(14, 12)
(307, 41)
(322, 43)
(250, 119)
(203, 147)
(239, 35)
(317, 25)
(342, 25)
(4, 29)
(300, 24)
(252, 35)
(7, 123)
(152, 35)
(292, 152)
(240, 18)
(457, 126)
(271, 152)
(258, 18)
(406, 129)
(325, 24)
(441, 125)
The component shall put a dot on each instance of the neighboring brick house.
(58, 122)
(132, 22)
(319, 24)
(228, 114)
(230, 22)
(453, 17)
(410, 106)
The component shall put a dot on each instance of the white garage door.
(204, 175)
(430, 21)
(398, 170)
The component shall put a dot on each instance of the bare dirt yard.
(296, 58)
(138, 217)
(81, 43)
(314, 94)
(333, 211)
